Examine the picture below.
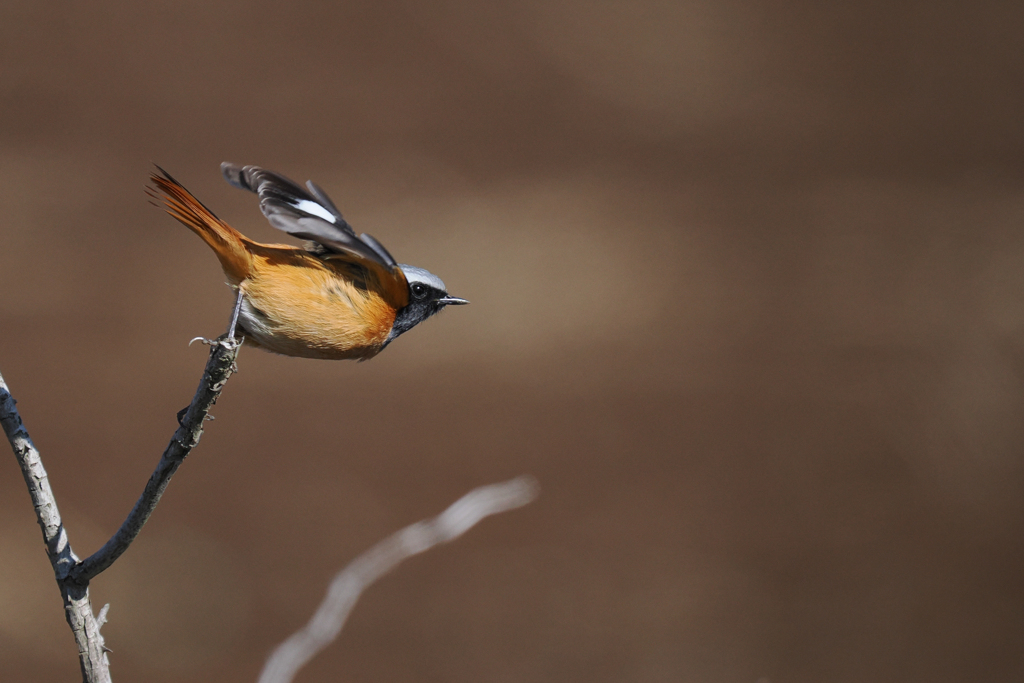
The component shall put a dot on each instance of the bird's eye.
(419, 291)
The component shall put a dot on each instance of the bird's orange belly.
(313, 314)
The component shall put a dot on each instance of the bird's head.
(427, 296)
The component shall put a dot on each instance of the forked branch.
(72, 575)
(219, 368)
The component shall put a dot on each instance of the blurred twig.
(350, 583)
(72, 575)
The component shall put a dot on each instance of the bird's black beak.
(452, 301)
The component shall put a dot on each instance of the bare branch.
(77, 608)
(350, 583)
(72, 575)
(219, 368)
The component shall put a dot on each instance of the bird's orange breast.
(300, 305)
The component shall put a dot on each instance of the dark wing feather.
(322, 197)
(379, 248)
(308, 215)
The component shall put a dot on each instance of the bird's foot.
(229, 343)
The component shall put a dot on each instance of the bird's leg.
(234, 315)
(228, 342)
(230, 337)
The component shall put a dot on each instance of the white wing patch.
(314, 209)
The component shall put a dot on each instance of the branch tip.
(348, 585)
(101, 618)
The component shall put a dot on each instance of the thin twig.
(349, 584)
(72, 575)
(219, 368)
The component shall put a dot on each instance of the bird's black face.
(422, 294)
(426, 298)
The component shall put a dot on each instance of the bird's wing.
(307, 213)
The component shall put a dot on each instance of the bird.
(339, 296)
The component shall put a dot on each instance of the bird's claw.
(227, 342)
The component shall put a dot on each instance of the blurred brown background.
(748, 301)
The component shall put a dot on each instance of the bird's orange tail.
(229, 244)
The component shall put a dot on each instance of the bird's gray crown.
(414, 274)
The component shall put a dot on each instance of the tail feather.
(226, 242)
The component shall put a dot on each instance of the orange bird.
(339, 296)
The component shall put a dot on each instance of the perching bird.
(341, 296)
